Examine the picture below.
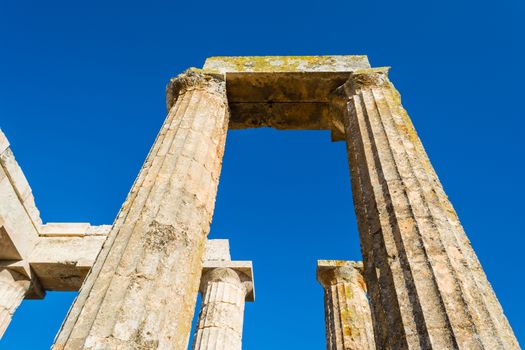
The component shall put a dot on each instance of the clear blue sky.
(82, 97)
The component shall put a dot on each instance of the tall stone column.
(427, 287)
(13, 288)
(347, 311)
(141, 291)
(220, 324)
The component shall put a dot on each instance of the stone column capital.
(193, 79)
(156, 246)
(233, 272)
(330, 272)
(367, 78)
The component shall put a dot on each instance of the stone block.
(276, 64)
(217, 250)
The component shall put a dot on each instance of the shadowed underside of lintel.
(283, 92)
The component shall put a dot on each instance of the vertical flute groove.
(220, 321)
(348, 321)
(428, 290)
(138, 294)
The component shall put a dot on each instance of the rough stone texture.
(348, 319)
(13, 288)
(427, 288)
(279, 64)
(71, 229)
(18, 214)
(222, 311)
(18, 180)
(62, 263)
(19, 223)
(141, 291)
(217, 250)
(282, 92)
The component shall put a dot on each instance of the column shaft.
(13, 288)
(347, 311)
(221, 317)
(142, 289)
(427, 287)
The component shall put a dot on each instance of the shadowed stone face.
(282, 92)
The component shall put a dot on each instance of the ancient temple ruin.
(420, 285)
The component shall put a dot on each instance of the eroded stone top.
(266, 64)
(330, 272)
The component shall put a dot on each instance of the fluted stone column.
(13, 288)
(141, 291)
(427, 287)
(220, 324)
(347, 311)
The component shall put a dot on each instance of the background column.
(220, 324)
(142, 289)
(347, 311)
(427, 287)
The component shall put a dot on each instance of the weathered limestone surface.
(220, 324)
(19, 218)
(19, 222)
(427, 287)
(142, 288)
(18, 181)
(225, 285)
(348, 319)
(54, 256)
(217, 250)
(283, 92)
(13, 288)
(285, 64)
(61, 263)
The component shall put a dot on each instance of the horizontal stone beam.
(55, 256)
(62, 259)
(61, 263)
(80, 229)
(285, 64)
(282, 92)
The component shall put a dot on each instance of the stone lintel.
(64, 254)
(281, 92)
(304, 64)
(243, 267)
(61, 263)
(69, 229)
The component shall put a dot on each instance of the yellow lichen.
(280, 63)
